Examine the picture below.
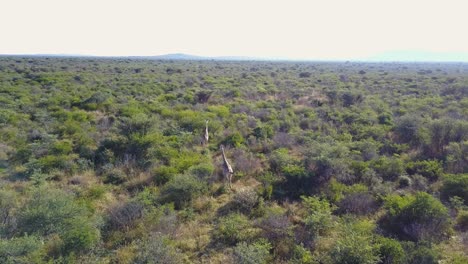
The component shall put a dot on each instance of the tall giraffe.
(227, 169)
(206, 137)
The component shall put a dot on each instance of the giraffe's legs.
(228, 179)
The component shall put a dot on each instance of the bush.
(48, 211)
(245, 201)
(55, 212)
(390, 251)
(276, 227)
(419, 183)
(181, 190)
(124, 216)
(203, 171)
(8, 204)
(355, 246)
(234, 140)
(388, 168)
(431, 169)
(462, 221)
(157, 250)
(20, 250)
(404, 181)
(263, 132)
(164, 174)
(455, 185)
(80, 235)
(418, 217)
(360, 203)
(301, 256)
(423, 255)
(256, 253)
(114, 176)
(234, 228)
(319, 218)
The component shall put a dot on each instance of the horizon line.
(192, 57)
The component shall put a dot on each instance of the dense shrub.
(430, 169)
(256, 253)
(422, 254)
(355, 246)
(319, 219)
(390, 251)
(157, 250)
(245, 201)
(124, 215)
(357, 203)
(20, 250)
(276, 227)
(462, 221)
(416, 218)
(455, 185)
(181, 190)
(49, 211)
(55, 212)
(234, 228)
(85, 138)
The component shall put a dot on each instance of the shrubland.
(103, 161)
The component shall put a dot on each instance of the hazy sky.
(326, 29)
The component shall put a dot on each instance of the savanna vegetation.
(103, 161)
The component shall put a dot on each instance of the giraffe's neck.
(224, 157)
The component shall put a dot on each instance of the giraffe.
(227, 169)
(206, 136)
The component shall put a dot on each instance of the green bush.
(235, 140)
(256, 253)
(301, 256)
(455, 185)
(417, 217)
(80, 235)
(203, 171)
(234, 228)
(263, 132)
(48, 211)
(319, 219)
(431, 169)
(355, 245)
(423, 255)
(462, 221)
(390, 251)
(163, 174)
(157, 250)
(51, 211)
(388, 168)
(20, 250)
(8, 206)
(181, 190)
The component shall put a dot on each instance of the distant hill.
(178, 56)
(419, 56)
(182, 56)
(390, 56)
(171, 56)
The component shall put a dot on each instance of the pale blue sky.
(301, 29)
